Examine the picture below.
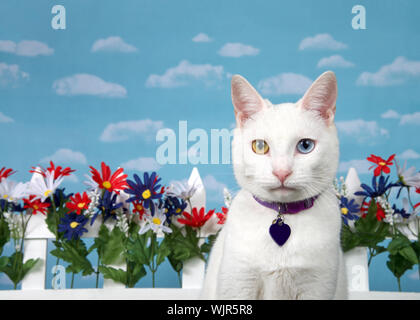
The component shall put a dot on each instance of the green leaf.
(398, 243)
(4, 234)
(14, 267)
(134, 273)
(163, 251)
(137, 249)
(3, 262)
(75, 253)
(398, 265)
(117, 275)
(110, 245)
(409, 254)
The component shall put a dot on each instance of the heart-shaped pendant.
(280, 232)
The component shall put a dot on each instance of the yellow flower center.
(80, 205)
(146, 194)
(178, 210)
(5, 196)
(47, 193)
(382, 163)
(74, 224)
(156, 220)
(36, 207)
(139, 207)
(106, 184)
(344, 210)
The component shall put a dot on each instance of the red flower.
(382, 165)
(417, 190)
(58, 171)
(197, 219)
(5, 173)
(222, 215)
(138, 208)
(35, 205)
(78, 203)
(114, 182)
(380, 212)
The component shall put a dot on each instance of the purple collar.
(288, 207)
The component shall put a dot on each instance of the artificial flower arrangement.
(369, 215)
(141, 223)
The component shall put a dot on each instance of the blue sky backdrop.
(100, 89)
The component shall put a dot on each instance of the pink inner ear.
(321, 96)
(245, 98)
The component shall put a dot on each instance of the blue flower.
(377, 189)
(107, 205)
(59, 197)
(73, 225)
(347, 209)
(14, 207)
(402, 212)
(146, 191)
(174, 206)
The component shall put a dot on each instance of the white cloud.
(284, 83)
(123, 130)
(202, 37)
(5, 119)
(236, 50)
(71, 178)
(390, 114)
(411, 118)
(7, 46)
(321, 41)
(27, 48)
(141, 164)
(113, 44)
(184, 74)
(362, 166)
(87, 84)
(408, 154)
(361, 130)
(213, 188)
(335, 61)
(66, 156)
(413, 275)
(396, 73)
(11, 75)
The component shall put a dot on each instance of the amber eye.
(260, 146)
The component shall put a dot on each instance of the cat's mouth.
(283, 188)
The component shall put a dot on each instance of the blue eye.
(305, 145)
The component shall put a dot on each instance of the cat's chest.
(250, 239)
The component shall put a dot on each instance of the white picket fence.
(33, 286)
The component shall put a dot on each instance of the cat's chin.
(281, 194)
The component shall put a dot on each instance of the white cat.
(284, 154)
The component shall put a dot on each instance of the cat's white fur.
(245, 262)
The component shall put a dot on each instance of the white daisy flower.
(90, 183)
(156, 223)
(227, 197)
(44, 188)
(409, 177)
(181, 189)
(12, 191)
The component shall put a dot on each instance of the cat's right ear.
(246, 100)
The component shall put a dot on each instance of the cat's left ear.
(245, 99)
(321, 96)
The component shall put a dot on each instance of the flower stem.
(97, 273)
(72, 280)
(180, 278)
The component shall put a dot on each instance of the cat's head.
(285, 152)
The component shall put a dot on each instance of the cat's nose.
(282, 174)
